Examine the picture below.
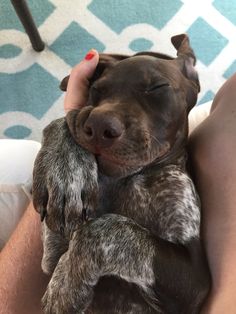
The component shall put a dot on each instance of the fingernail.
(90, 55)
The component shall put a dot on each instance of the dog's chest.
(163, 201)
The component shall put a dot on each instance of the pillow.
(16, 166)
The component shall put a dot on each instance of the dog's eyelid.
(156, 86)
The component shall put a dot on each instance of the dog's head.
(137, 108)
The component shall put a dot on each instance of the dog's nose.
(102, 130)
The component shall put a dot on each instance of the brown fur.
(142, 253)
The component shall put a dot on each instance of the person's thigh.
(212, 148)
(16, 165)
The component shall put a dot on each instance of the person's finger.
(77, 89)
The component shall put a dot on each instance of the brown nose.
(102, 129)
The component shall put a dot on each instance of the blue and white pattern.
(29, 93)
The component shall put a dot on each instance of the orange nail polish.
(89, 55)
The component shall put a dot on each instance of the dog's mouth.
(113, 160)
(112, 165)
(117, 162)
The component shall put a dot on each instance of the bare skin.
(212, 147)
(22, 281)
(213, 150)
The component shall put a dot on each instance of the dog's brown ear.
(182, 45)
(105, 61)
(64, 83)
(185, 57)
(186, 60)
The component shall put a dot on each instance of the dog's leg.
(64, 182)
(170, 275)
(54, 246)
(71, 288)
(64, 177)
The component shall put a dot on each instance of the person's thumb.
(77, 88)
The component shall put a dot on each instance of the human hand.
(77, 88)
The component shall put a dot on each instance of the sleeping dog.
(121, 215)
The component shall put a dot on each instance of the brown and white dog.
(122, 217)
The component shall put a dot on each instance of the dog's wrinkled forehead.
(141, 72)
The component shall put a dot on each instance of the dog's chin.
(112, 168)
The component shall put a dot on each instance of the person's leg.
(212, 151)
(22, 281)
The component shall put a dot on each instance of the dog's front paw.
(55, 301)
(64, 180)
(52, 303)
(58, 302)
(69, 291)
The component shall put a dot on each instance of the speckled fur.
(65, 183)
(140, 250)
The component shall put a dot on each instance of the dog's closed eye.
(155, 87)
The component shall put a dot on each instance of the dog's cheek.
(137, 146)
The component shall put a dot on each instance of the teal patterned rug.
(29, 93)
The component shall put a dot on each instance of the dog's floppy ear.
(186, 60)
(186, 57)
(182, 45)
(105, 61)
(64, 83)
